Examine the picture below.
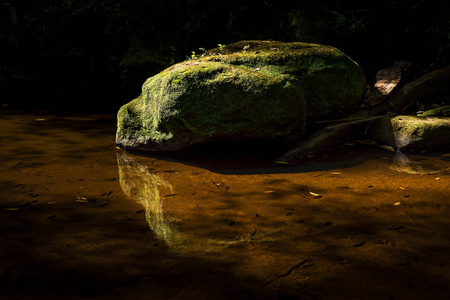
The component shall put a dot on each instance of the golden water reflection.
(208, 221)
(138, 183)
(404, 164)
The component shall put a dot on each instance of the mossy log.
(395, 102)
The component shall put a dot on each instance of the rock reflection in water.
(204, 228)
(143, 186)
(404, 164)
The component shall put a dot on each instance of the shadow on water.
(260, 158)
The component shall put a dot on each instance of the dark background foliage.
(73, 53)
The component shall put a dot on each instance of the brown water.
(82, 219)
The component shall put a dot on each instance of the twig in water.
(289, 271)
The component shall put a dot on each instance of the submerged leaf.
(360, 244)
(82, 199)
(315, 195)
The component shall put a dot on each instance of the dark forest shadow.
(246, 159)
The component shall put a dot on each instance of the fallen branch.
(335, 134)
(341, 120)
(357, 121)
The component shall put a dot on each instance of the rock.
(443, 111)
(267, 91)
(413, 132)
(388, 79)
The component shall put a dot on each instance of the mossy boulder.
(443, 111)
(413, 132)
(251, 90)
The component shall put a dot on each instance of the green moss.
(328, 76)
(443, 111)
(265, 92)
(208, 99)
(410, 130)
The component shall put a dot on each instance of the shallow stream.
(81, 218)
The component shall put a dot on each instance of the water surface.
(80, 218)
